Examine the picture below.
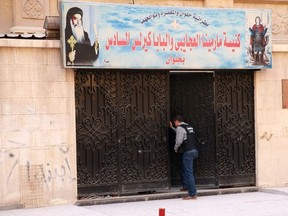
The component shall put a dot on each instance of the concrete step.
(157, 195)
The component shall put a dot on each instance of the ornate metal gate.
(121, 122)
(225, 128)
(192, 95)
(235, 129)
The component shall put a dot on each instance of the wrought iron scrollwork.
(235, 123)
(144, 155)
(96, 127)
(121, 127)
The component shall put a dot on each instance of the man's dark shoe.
(190, 197)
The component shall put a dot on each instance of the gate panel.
(96, 126)
(143, 130)
(122, 122)
(235, 134)
(192, 95)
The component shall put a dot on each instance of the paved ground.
(265, 202)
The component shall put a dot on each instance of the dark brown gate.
(122, 137)
(121, 122)
(192, 95)
(220, 106)
(235, 129)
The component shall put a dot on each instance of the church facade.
(45, 104)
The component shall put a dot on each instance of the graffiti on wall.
(48, 172)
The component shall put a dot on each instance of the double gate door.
(123, 136)
(220, 107)
(121, 123)
(192, 96)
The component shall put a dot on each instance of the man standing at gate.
(185, 144)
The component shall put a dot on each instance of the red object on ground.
(161, 211)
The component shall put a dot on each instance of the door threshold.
(172, 193)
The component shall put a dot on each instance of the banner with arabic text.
(101, 35)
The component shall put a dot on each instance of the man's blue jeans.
(188, 158)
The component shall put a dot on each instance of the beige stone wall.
(272, 122)
(37, 129)
(6, 11)
(30, 12)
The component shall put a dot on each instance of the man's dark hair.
(178, 118)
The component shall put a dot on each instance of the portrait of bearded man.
(79, 50)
